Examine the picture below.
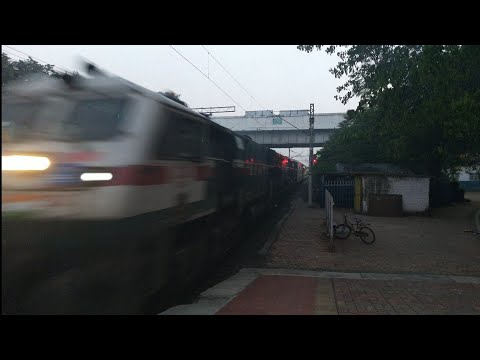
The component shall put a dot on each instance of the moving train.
(100, 176)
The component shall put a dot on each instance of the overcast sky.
(277, 77)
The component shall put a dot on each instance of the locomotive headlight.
(96, 176)
(24, 163)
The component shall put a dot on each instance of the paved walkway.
(418, 265)
(435, 244)
(297, 292)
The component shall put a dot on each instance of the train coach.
(98, 175)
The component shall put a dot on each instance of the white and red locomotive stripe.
(154, 174)
(133, 189)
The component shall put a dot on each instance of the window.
(61, 118)
(277, 121)
(179, 136)
(222, 144)
(95, 119)
(240, 144)
(18, 119)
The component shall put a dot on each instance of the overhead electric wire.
(33, 57)
(12, 54)
(179, 53)
(233, 77)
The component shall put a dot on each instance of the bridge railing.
(329, 218)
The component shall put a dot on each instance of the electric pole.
(310, 158)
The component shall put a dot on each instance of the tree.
(13, 70)
(173, 96)
(419, 106)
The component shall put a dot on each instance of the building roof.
(364, 173)
(375, 168)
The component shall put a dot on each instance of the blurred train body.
(100, 177)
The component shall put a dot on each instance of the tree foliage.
(419, 106)
(173, 96)
(14, 70)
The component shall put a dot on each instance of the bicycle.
(359, 229)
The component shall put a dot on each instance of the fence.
(342, 188)
(329, 217)
(470, 185)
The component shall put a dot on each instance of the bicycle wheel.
(342, 231)
(366, 235)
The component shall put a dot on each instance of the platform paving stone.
(255, 291)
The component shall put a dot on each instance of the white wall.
(414, 191)
(467, 174)
(463, 175)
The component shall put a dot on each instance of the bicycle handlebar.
(357, 220)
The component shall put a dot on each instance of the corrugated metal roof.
(297, 117)
(375, 169)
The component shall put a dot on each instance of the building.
(414, 191)
(469, 179)
(392, 191)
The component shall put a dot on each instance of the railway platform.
(301, 292)
(427, 266)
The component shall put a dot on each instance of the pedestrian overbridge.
(278, 131)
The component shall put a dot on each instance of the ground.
(384, 297)
(419, 265)
(300, 292)
(435, 244)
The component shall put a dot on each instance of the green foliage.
(419, 106)
(13, 70)
(323, 167)
(173, 96)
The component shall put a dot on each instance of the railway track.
(246, 236)
(247, 252)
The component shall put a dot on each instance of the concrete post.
(310, 158)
